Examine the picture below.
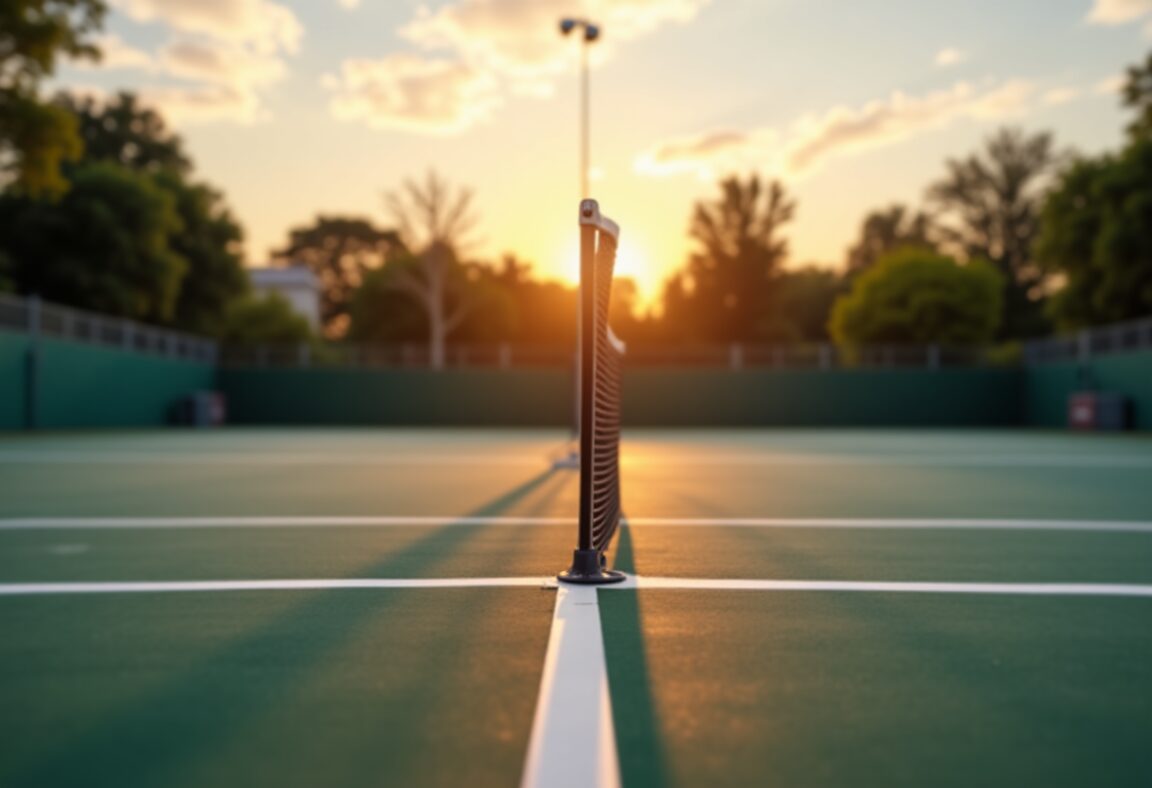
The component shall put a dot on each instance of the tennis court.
(378, 606)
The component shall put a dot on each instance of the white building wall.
(297, 285)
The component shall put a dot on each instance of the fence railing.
(733, 357)
(1091, 342)
(39, 318)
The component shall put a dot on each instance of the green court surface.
(107, 684)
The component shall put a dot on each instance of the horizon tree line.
(100, 208)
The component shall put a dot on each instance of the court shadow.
(640, 744)
(166, 733)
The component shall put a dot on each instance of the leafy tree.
(377, 312)
(340, 251)
(990, 202)
(434, 222)
(724, 292)
(36, 137)
(1138, 96)
(919, 296)
(126, 132)
(888, 229)
(266, 320)
(803, 301)
(103, 246)
(1096, 232)
(209, 241)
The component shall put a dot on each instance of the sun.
(632, 262)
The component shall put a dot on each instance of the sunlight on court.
(1017, 568)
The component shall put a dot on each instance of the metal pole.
(584, 124)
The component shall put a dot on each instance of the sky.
(295, 108)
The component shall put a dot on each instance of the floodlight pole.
(591, 32)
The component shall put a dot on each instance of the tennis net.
(601, 359)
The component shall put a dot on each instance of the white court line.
(639, 460)
(201, 586)
(22, 523)
(573, 743)
(920, 523)
(901, 460)
(353, 458)
(643, 583)
(1012, 589)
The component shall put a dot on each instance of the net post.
(587, 560)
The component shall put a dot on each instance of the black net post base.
(588, 569)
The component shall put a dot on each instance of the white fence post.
(1084, 346)
(735, 357)
(825, 356)
(505, 356)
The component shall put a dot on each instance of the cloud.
(700, 154)
(220, 52)
(206, 103)
(839, 131)
(1058, 96)
(412, 93)
(1118, 12)
(507, 46)
(520, 37)
(219, 63)
(950, 56)
(1110, 85)
(349, 4)
(266, 26)
(117, 54)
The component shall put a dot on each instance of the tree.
(888, 229)
(103, 246)
(918, 296)
(1138, 96)
(724, 292)
(1096, 232)
(803, 301)
(127, 134)
(266, 320)
(124, 131)
(35, 138)
(209, 241)
(990, 203)
(340, 251)
(434, 222)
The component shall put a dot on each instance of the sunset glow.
(333, 103)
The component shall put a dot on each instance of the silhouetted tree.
(802, 303)
(340, 251)
(724, 292)
(1138, 97)
(990, 203)
(124, 131)
(434, 222)
(888, 229)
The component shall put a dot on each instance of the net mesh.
(604, 389)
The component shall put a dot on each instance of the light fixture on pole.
(591, 34)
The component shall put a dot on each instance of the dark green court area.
(438, 686)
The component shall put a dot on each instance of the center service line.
(573, 743)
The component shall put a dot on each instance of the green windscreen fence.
(71, 384)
